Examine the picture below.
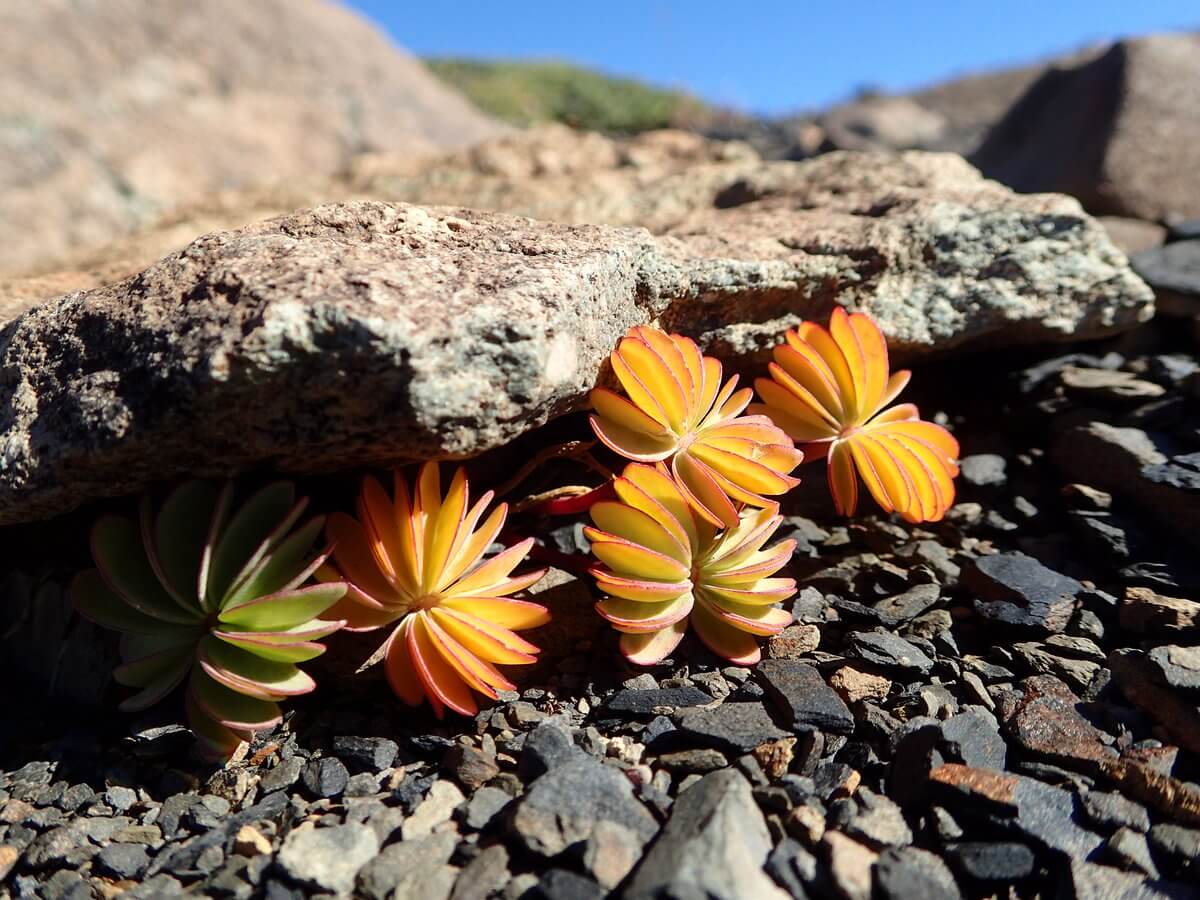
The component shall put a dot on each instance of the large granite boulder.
(1120, 131)
(114, 113)
(366, 333)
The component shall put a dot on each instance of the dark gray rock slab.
(561, 808)
(803, 698)
(713, 845)
(1017, 590)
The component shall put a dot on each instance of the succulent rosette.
(416, 560)
(830, 390)
(212, 594)
(679, 412)
(664, 565)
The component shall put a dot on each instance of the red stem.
(571, 506)
(576, 563)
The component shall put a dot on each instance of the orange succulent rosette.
(679, 412)
(416, 559)
(829, 390)
(663, 566)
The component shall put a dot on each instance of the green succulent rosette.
(213, 595)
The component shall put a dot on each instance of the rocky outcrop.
(1119, 131)
(840, 224)
(937, 254)
(548, 172)
(117, 112)
(369, 332)
(952, 116)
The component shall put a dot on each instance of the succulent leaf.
(219, 518)
(648, 648)
(285, 567)
(678, 412)
(180, 535)
(165, 679)
(214, 740)
(248, 673)
(830, 389)
(515, 615)
(232, 709)
(150, 582)
(297, 644)
(415, 559)
(248, 536)
(664, 564)
(99, 603)
(148, 669)
(283, 610)
(121, 558)
(135, 646)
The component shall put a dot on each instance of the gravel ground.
(1004, 704)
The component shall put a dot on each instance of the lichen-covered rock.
(370, 333)
(347, 334)
(938, 255)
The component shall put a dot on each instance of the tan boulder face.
(117, 112)
(370, 333)
(1119, 131)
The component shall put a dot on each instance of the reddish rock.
(1144, 611)
(1140, 680)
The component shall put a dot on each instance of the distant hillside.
(525, 93)
(116, 113)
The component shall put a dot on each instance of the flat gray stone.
(404, 867)
(889, 651)
(730, 727)
(328, 858)
(563, 807)
(713, 846)
(802, 695)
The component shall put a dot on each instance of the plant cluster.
(229, 598)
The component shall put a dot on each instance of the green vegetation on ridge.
(524, 93)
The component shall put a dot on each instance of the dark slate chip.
(547, 746)
(656, 701)
(714, 819)
(659, 726)
(973, 737)
(325, 777)
(1173, 267)
(283, 775)
(1017, 590)
(1129, 849)
(889, 651)
(1000, 861)
(365, 754)
(1110, 810)
(563, 884)
(792, 866)
(803, 698)
(483, 806)
(907, 873)
(412, 790)
(561, 808)
(1022, 806)
(1176, 844)
(877, 821)
(730, 727)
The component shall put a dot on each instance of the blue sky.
(772, 56)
